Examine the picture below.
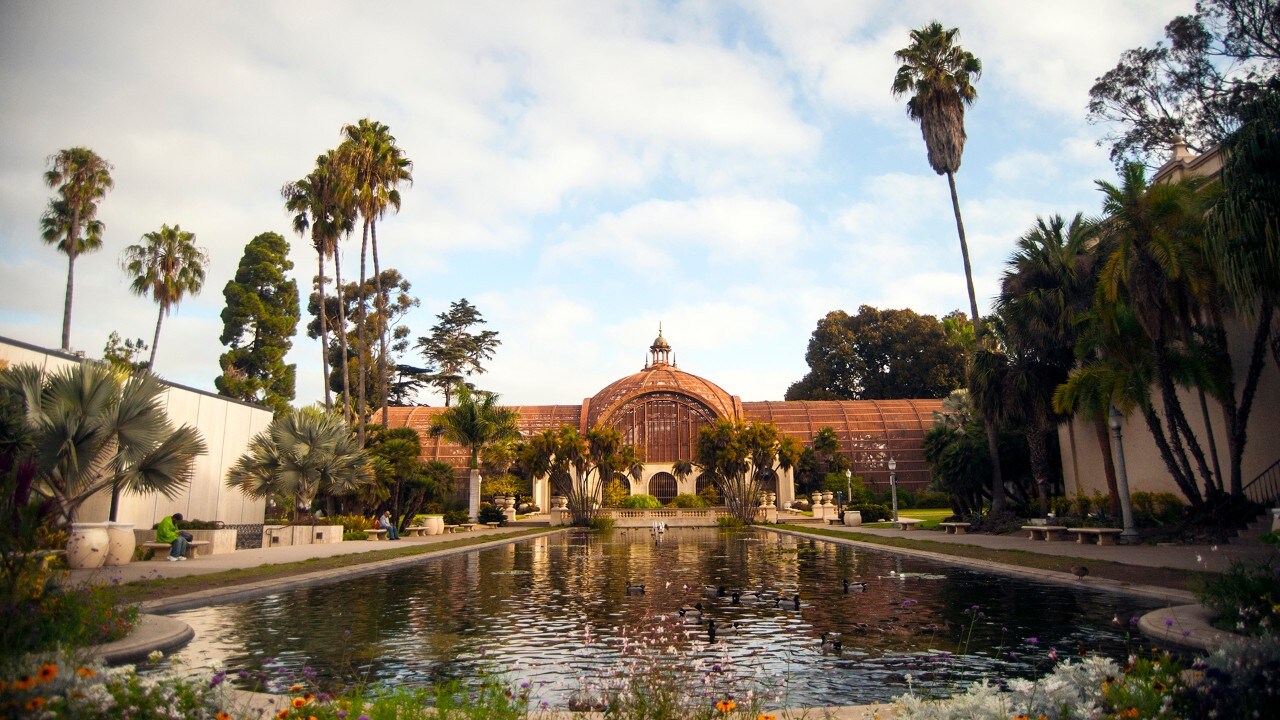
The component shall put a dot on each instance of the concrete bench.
(451, 529)
(1101, 536)
(1046, 532)
(493, 524)
(193, 549)
(374, 534)
(416, 530)
(905, 524)
(466, 527)
(834, 521)
(954, 528)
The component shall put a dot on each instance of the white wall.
(226, 426)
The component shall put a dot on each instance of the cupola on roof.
(660, 375)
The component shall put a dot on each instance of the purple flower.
(908, 603)
(217, 679)
(1053, 653)
(364, 717)
(1134, 620)
(1168, 622)
(1033, 641)
(341, 714)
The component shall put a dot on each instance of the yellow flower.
(47, 672)
(762, 716)
(86, 672)
(726, 706)
(299, 702)
(34, 704)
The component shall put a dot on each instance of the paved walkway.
(268, 556)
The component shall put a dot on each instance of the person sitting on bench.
(385, 523)
(167, 531)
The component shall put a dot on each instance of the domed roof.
(660, 376)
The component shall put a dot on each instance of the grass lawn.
(930, 516)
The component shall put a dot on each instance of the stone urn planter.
(853, 518)
(87, 545)
(120, 543)
(827, 498)
(434, 524)
(560, 502)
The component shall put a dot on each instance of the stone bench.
(374, 534)
(1101, 536)
(451, 529)
(494, 524)
(906, 524)
(954, 528)
(416, 530)
(193, 549)
(1046, 532)
(466, 527)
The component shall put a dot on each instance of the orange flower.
(24, 683)
(222, 716)
(295, 688)
(1130, 713)
(47, 672)
(726, 706)
(4, 685)
(762, 716)
(34, 704)
(86, 672)
(282, 714)
(299, 702)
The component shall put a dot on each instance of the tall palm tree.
(321, 203)
(476, 422)
(168, 265)
(939, 75)
(378, 166)
(81, 179)
(96, 428)
(303, 453)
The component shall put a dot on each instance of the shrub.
(932, 499)
(614, 494)
(351, 535)
(352, 523)
(1061, 505)
(601, 524)
(687, 500)
(729, 522)
(41, 616)
(489, 513)
(710, 495)
(454, 517)
(872, 512)
(1245, 597)
(641, 502)
(1156, 508)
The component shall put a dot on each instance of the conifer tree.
(453, 351)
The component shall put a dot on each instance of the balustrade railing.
(1265, 488)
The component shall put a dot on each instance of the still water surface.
(556, 612)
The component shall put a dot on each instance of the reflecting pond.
(560, 611)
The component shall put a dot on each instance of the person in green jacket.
(167, 531)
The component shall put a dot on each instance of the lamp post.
(1129, 534)
(848, 483)
(893, 486)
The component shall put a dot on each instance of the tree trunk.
(1039, 451)
(324, 334)
(362, 361)
(66, 305)
(383, 324)
(342, 336)
(155, 341)
(1103, 433)
(1213, 442)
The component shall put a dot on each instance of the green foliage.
(42, 616)
(741, 456)
(878, 355)
(929, 499)
(959, 459)
(854, 486)
(504, 484)
(615, 494)
(258, 322)
(1246, 598)
(871, 512)
(81, 179)
(167, 265)
(455, 517)
(710, 495)
(729, 522)
(688, 500)
(641, 502)
(121, 354)
(489, 513)
(600, 523)
(352, 524)
(351, 535)
(1150, 508)
(453, 352)
(476, 422)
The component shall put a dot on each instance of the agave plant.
(96, 428)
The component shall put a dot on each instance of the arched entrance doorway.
(663, 486)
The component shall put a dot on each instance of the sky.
(583, 171)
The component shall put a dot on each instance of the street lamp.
(1129, 534)
(848, 483)
(893, 486)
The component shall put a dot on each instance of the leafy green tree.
(302, 454)
(740, 456)
(476, 422)
(453, 351)
(583, 467)
(939, 75)
(120, 353)
(322, 203)
(168, 265)
(81, 179)
(396, 304)
(1188, 90)
(377, 167)
(960, 461)
(95, 429)
(879, 355)
(258, 321)
(395, 454)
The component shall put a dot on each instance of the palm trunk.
(993, 448)
(1103, 433)
(66, 305)
(324, 333)
(342, 336)
(155, 341)
(383, 325)
(1039, 451)
(362, 360)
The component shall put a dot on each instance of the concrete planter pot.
(853, 518)
(87, 545)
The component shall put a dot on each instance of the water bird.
(833, 643)
(711, 631)
(635, 589)
(737, 598)
(696, 608)
(855, 586)
(1079, 571)
(715, 592)
(796, 601)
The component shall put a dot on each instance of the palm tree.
(321, 203)
(168, 265)
(81, 178)
(939, 75)
(303, 453)
(96, 428)
(378, 166)
(476, 422)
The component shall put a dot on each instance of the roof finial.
(660, 349)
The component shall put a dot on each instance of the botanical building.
(661, 409)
